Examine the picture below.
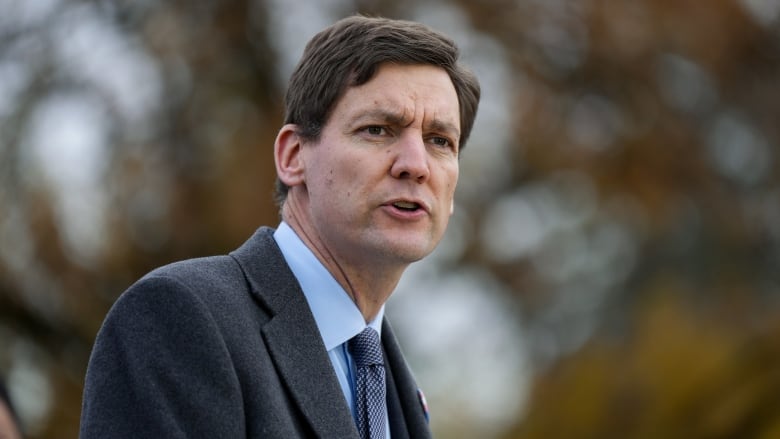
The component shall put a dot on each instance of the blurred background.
(612, 269)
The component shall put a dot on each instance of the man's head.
(348, 54)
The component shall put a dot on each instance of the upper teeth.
(405, 204)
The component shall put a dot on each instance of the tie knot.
(366, 349)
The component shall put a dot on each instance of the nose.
(411, 159)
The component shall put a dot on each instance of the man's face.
(382, 176)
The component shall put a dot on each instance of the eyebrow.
(398, 118)
(388, 116)
(444, 127)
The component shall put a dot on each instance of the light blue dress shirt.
(336, 315)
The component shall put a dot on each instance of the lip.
(423, 210)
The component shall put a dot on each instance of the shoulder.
(197, 273)
(217, 287)
(213, 278)
(184, 281)
(213, 288)
(216, 292)
(168, 296)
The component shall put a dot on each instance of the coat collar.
(302, 360)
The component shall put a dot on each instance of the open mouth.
(407, 206)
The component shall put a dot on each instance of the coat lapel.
(305, 366)
(409, 395)
(292, 338)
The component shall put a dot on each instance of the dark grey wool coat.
(227, 347)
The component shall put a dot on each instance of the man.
(267, 341)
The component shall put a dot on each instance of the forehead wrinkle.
(442, 126)
(392, 116)
(394, 113)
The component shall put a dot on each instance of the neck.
(369, 283)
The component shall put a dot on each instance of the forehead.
(414, 90)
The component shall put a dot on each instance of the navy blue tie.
(370, 384)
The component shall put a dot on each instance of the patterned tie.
(370, 393)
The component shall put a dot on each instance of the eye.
(442, 142)
(375, 130)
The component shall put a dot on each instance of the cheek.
(452, 181)
(341, 180)
(451, 185)
(357, 176)
(329, 178)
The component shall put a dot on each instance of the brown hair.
(348, 53)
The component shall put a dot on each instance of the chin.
(408, 252)
(405, 245)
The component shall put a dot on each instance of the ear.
(287, 155)
(452, 206)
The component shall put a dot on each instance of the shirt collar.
(336, 315)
